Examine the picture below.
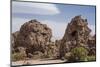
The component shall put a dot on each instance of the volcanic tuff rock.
(76, 34)
(33, 36)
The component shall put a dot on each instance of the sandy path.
(36, 62)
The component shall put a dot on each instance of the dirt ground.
(30, 62)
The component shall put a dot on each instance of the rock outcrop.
(13, 40)
(76, 34)
(33, 36)
(92, 45)
(34, 39)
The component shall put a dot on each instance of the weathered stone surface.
(13, 40)
(52, 50)
(33, 36)
(92, 45)
(76, 34)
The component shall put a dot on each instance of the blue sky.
(56, 16)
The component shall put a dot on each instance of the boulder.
(33, 36)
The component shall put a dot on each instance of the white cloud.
(92, 27)
(34, 8)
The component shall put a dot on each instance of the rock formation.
(76, 34)
(34, 39)
(33, 36)
(13, 40)
(92, 45)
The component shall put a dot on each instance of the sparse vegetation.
(18, 56)
(78, 54)
(91, 58)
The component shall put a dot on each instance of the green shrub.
(91, 58)
(78, 54)
(18, 56)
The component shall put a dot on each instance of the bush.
(78, 54)
(91, 58)
(18, 56)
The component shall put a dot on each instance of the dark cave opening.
(74, 33)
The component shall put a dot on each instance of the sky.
(56, 16)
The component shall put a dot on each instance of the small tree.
(78, 54)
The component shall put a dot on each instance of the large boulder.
(76, 34)
(33, 36)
